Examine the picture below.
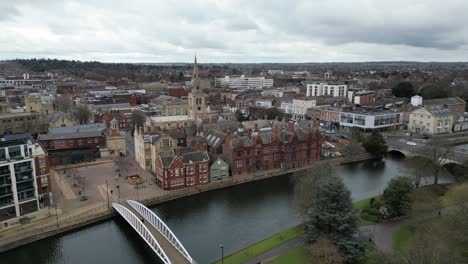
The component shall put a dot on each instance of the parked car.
(411, 143)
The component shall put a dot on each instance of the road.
(400, 143)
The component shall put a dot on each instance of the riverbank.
(10, 239)
(288, 241)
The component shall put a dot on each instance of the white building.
(371, 120)
(273, 72)
(430, 121)
(243, 82)
(331, 89)
(261, 103)
(416, 100)
(18, 182)
(298, 108)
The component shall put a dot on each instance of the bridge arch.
(400, 152)
(157, 223)
(141, 229)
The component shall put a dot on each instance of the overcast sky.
(234, 30)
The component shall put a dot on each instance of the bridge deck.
(168, 248)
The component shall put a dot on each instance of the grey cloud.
(261, 30)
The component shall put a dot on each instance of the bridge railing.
(142, 230)
(154, 220)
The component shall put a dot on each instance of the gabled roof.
(194, 156)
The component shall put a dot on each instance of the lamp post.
(222, 253)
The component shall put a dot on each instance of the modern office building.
(327, 89)
(371, 120)
(243, 82)
(24, 178)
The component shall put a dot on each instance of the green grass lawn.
(263, 246)
(402, 236)
(361, 204)
(293, 256)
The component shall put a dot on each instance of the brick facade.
(260, 151)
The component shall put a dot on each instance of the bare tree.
(438, 155)
(64, 103)
(137, 119)
(82, 114)
(417, 168)
(353, 147)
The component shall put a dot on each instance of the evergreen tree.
(333, 217)
(397, 195)
(375, 144)
(403, 89)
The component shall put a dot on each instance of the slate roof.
(215, 138)
(81, 131)
(177, 134)
(444, 101)
(194, 156)
(56, 116)
(436, 111)
(166, 161)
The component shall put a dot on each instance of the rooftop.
(444, 101)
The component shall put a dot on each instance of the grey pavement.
(277, 251)
(382, 233)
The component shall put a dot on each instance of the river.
(235, 217)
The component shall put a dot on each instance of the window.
(44, 180)
(43, 171)
(96, 140)
(90, 140)
(165, 143)
(71, 142)
(80, 141)
(42, 162)
(239, 163)
(62, 142)
(176, 172)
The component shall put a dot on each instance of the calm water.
(235, 217)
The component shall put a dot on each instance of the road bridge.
(399, 144)
(154, 232)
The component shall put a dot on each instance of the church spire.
(195, 68)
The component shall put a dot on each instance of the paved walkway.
(382, 233)
(277, 251)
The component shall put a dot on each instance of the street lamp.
(222, 253)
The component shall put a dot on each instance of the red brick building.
(107, 117)
(188, 168)
(365, 97)
(74, 144)
(138, 99)
(289, 148)
(178, 92)
(330, 115)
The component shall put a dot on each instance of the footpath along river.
(235, 217)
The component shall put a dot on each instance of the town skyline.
(234, 31)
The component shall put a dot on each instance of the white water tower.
(416, 100)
